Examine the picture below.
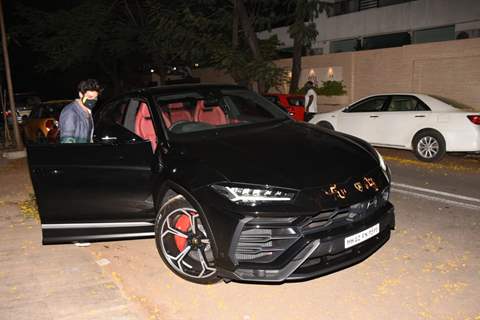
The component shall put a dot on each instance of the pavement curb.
(12, 155)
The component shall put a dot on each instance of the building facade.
(354, 25)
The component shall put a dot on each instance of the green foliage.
(121, 36)
(332, 88)
(244, 69)
(329, 88)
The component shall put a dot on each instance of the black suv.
(228, 184)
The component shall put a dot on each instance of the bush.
(331, 88)
(328, 88)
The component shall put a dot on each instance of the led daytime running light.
(253, 195)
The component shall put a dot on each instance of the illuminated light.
(312, 72)
(370, 183)
(196, 65)
(330, 72)
(336, 192)
(358, 186)
(251, 196)
(289, 74)
(174, 68)
(152, 70)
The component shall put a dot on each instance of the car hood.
(288, 154)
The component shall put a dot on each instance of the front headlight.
(254, 194)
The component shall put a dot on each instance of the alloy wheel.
(185, 244)
(428, 147)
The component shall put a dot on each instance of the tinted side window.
(296, 101)
(273, 99)
(369, 105)
(406, 103)
(110, 122)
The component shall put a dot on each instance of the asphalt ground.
(430, 268)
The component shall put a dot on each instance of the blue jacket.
(76, 126)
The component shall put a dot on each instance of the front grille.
(343, 216)
(262, 240)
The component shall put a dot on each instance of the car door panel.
(95, 191)
(87, 184)
(360, 119)
(396, 126)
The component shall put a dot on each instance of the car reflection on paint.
(229, 186)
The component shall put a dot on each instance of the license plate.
(362, 236)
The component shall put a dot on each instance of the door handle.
(373, 116)
(419, 116)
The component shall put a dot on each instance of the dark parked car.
(226, 182)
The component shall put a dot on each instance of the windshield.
(207, 109)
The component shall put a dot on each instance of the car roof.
(433, 103)
(183, 87)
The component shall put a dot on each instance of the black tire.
(185, 250)
(325, 125)
(429, 145)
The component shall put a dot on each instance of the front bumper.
(320, 252)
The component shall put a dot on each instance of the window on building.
(434, 34)
(344, 45)
(387, 41)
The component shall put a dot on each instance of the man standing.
(310, 101)
(76, 122)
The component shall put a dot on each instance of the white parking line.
(438, 199)
(436, 192)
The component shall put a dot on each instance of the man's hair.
(89, 85)
(309, 83)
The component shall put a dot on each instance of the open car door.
(95, 191)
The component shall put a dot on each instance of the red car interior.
(144, 125)
(178, 112)
(209, 114)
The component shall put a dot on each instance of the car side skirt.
(82, 232)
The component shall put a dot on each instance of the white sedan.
(418, 122)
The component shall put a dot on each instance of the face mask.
(89, 103)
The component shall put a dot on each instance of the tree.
(248, 59)
(303, 31)
(92, 34)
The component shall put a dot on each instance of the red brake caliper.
(182, 224)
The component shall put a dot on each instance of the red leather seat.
(178, 112)
(144, 125)
(211, 114)
(166, 119)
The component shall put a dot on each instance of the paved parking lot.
(430, 269)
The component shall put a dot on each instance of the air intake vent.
(263, 245)
(368, 4)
